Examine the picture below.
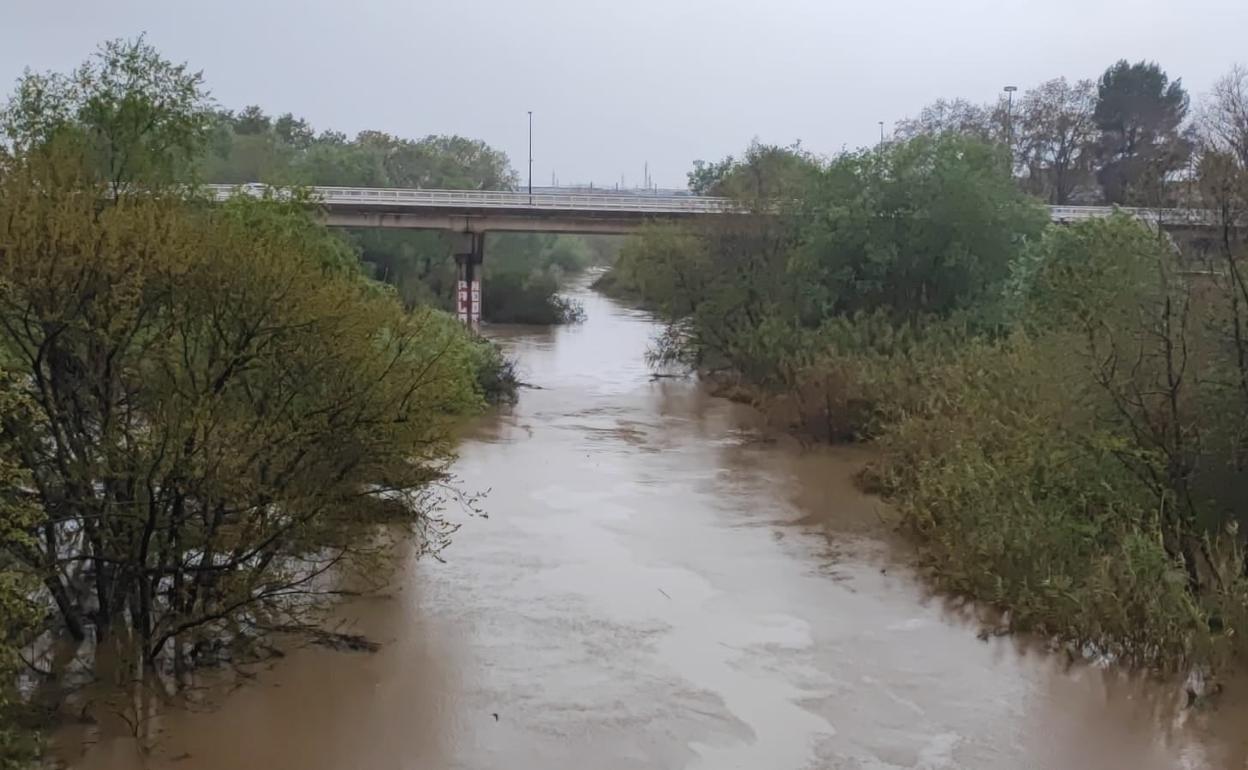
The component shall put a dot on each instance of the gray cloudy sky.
(615, 84)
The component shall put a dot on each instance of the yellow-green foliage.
(18, 613)
(1020, 502)
(1077, 472)
(663, 266)
(214, 397)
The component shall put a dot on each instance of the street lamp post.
(881, 132)
(1009, 115)
(530, 157)
(1009, 124)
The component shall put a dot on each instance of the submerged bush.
(528, 299)
(496, 377)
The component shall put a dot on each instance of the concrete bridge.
(574, 211)
(474, 211)
(470, 214)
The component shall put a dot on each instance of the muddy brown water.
(658, 585)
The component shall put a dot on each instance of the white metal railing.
(627, 202)
(478, 199)
(1165, 216)
(1071, 213)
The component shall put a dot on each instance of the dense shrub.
(511, 297)
(1080, 472)
(1020, 501)
(495, 373)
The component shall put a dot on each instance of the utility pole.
(530, 157)
(881, 132)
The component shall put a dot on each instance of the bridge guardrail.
(1165, 216)
(636, 203)
(503, 199)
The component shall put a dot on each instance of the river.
(658, 584)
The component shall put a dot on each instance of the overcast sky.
(614, 85)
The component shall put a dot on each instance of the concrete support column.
(469, 257)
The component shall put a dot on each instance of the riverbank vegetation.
(1061, 409)
(208, 412)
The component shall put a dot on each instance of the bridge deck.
(576, 211)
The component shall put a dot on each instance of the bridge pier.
(469, 256)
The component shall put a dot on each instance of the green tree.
(705, 176)
(245, 158)
(252, 120)
(141, 118)
(295, 132)
(917, 228)
(522, 273)
(765, 172)
(927, 227)
(1139, 112)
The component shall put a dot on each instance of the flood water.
(660, 585)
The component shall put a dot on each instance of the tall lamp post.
(881, 132)
(1009, 124)
(1009, 115)
(530, 157)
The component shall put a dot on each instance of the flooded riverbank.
(659, 585)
